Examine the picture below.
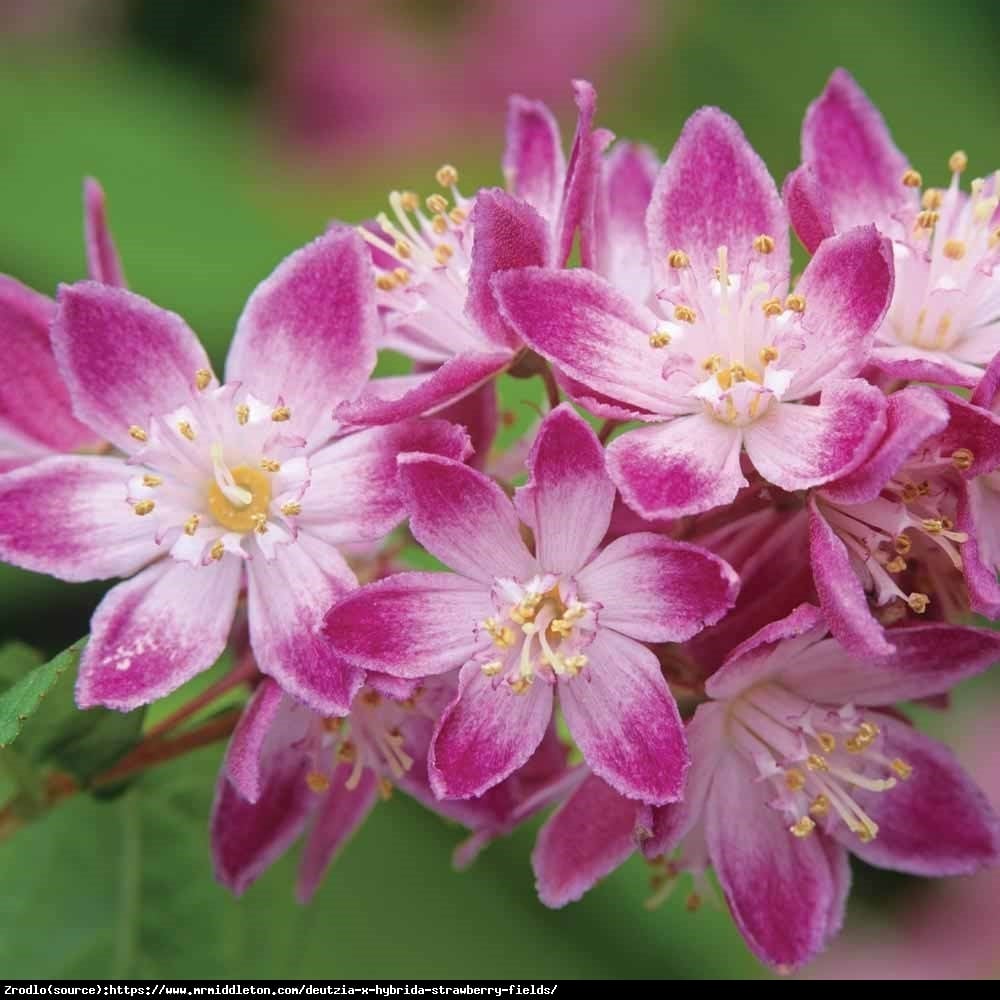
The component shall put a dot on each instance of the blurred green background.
(186, 111)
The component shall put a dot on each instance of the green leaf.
(16, 659)
(23, 699)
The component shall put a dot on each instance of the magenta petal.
(410, 624)
(568, 498)
(354, 493)
(912, 416)
(68, 516)
(478, 413)
(287, 599)
(533, 162)
(586, 838)
(917, 364)
(840, 592)
(715, 191)
(245, 763)
(152, 633)
(937, 822)
(658, 590)
(508, 235)
(686, 466)
(796, 446)
(464, 519)
(486, 734)
(857, 166)
(987, 392)
(340, 814)
(123, 358)
(625, 720)
(457, 377)
(973, 428)
(781, 889)
(628, 175)
(978, 515)
(308, 332)
(103, 262)
(847, 287)
(247, 838)
(591, 331)
(807, 207)
(34, 402)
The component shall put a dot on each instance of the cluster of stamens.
(540, 629)
(817, 758)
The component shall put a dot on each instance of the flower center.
(540, 629)
(816, 757)
(241, 501)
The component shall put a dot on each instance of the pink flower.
(944, 321)
(36, 418)
(720, 358)
(795, 761)
(289, 769)
(569, 618)
(220, 487)
(912, 527)
(433, 272)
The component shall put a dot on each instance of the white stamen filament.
(236, 495)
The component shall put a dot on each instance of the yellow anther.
(772, 307)
(217, 551)
(958, 161)
(820, 806)
(318, 782)
(440, 225)
(962, 459)
(191, 524)
(896, 564)
(437, 204)
(816, 762)
(902, 544)
(443, 253)
(918, 602)
(901, 768)
(410, 201)
(403, 249)
(347, 752)
(402, 275)
(764, 243)
(802, 827)
(911, 178)
(520, 685)
(947, 523)
(659, 338)
(446, 176)
(332, 725)
(186, 430)
(932, 199)
(684, 314)
(678, 259)
(927, 219)
(492, 668)
(291, 509)
(457, 215)
(743, 373)
(384, 789)
(270, 465)
(868, 730)
(724, 378)
(953, 249)
(574, 664)
(827, 742)
(150, 480)
(243, 414)
(280, 414)
(768, 354)
(370, 698)
(144, 507)
(137, 433)
(385, 282)
(712, 363)
(932, 525)
(560, 626)
(795, 780)
(796, 303)
(984, 211)
(995, 238)
(259, 523)
(692, 903)
(202, 377)
(866, 834)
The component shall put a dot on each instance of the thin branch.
(242, 673)
(551, 387)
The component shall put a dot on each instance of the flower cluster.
(689, 628)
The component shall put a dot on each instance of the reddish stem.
(240, 674)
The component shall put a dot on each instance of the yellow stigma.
(772, 307)
(796, 303)
(764, 243)
(242, 414)
(962, 459)
(254, 514)
(137, 433)
(317, 781)
(684, 314)
(437, 204)
(270, 465)
(201, 378)
(803, 827)
(953, 249)
(150, 480)
(191, 524)
(446, 176)
(280, 414)
(958, 161)
(768, 354)
(918, 602)
(678, 259)
(144, 507)
(912, 179)
(186, 430)
(291, 509)
(932, 199)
